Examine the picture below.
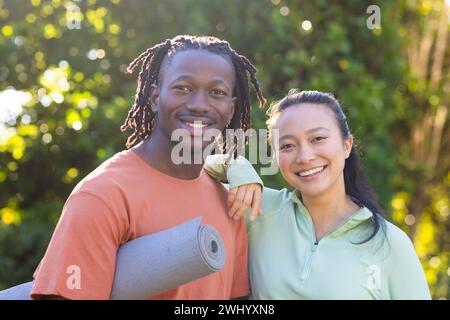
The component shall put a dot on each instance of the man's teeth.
(196, 124)
(310, 172)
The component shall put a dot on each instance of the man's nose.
(198, 103)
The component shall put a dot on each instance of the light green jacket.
(286, 263)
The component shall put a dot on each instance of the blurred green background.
(64, 93)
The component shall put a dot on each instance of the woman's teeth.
(311, 172)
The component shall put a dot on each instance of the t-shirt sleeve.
(241, 285)
(406, 276)
(80, 260)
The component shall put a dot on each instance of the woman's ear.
(348, 144)
(154, 98)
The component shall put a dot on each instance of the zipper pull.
(307, 265)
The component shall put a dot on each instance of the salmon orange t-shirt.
(123, 199)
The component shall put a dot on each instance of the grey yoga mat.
(157, 262)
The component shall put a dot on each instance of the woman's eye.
(286, 147)
(318, 139)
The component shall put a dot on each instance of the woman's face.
(311, 151)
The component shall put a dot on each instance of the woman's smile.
(311, 174)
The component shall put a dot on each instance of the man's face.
(195, 94)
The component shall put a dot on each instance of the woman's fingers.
(231, 197)
(256, 204)
(243, 197)
(245, 204)
(238, 200)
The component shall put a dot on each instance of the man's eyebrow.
(222, 82)
(182, 77)
(189, 77)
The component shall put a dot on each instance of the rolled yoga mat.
(157, 262)
(20, 292)
(167, 259)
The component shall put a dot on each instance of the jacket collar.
(360, 216)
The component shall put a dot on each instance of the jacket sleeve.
(406, 278)
(238, 172)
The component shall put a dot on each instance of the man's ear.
(348, 144)
(233, 105)
(154, 98)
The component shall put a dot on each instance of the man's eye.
(182, 88)
(218, 92)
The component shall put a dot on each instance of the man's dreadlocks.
(142, 119)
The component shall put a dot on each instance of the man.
(190, 83)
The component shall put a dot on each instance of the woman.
(327, 239)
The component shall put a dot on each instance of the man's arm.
(80, 260)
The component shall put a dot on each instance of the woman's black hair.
(356, 184)
(142, 119)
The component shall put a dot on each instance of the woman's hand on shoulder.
(243, 197)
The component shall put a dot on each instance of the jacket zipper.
(308, 262)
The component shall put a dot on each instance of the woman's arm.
(245, 187)
(236, 172)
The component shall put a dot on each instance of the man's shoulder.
(212, 184)
(112, 173)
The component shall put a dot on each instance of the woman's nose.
(304, 155)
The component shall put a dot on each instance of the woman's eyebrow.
(286, 136)
(290, 136)
(317, 129)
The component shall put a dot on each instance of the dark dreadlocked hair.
(142, 119)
